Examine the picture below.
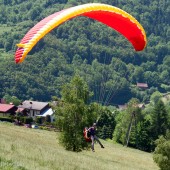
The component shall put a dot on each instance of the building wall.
(45, 108)
(4, 114)
(33, 113)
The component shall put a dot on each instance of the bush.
(28, 120)
(21, 119)
(162, 152)
(25, 120)
(48, 118)
(12, 117)
(7, 119)
(38, 120)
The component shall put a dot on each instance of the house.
(2, 101)
(124, 107)
(141, 106)
(7, 109)
(47, 112)
(35, 108)
(142, 85)
(22, 111)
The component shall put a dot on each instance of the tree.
(155, 97)
(106, 124)
(12, 99)
(7, 2)
(159, 120)
(143, 135)
(35, 12)
(162, 152)
(126, 124)
(165, 76)
(138, 74)
(152, 77)
(75, 114)
(51, 61)
(134, 117)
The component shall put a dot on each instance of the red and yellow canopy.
(112, 16)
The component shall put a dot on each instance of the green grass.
(22, 148)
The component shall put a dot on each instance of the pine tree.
(159, 120)
(74, 114)
(103, 132)
(143, 135)
(106, 124)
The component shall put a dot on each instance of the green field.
(22, 148)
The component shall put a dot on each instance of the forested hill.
(103, 57)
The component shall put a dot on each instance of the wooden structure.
(142, 86)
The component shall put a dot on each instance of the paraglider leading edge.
(112, 16)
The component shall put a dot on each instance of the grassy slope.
(39, 149)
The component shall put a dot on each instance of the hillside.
(104, 58)
(22, 149)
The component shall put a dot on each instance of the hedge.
(7, 119)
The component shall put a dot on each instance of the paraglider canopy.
(112, 16)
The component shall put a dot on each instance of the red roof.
(5, 107)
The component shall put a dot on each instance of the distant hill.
(100, 55)
(23, 149)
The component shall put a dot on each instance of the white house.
(35, 108)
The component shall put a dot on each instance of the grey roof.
(34, 105)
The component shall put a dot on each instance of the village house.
(141, 106)
(124, 107)
(2, 101)
(7, 109)
(37, 109)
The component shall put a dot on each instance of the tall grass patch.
(40, 150)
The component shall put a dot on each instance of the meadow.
(33, 149)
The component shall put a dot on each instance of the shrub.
(7, 119)
(28, 120)
(48, 118)
(162, 152)
(38, 120)
(21, 119)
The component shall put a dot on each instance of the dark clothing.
(92, 131)
(93, 137)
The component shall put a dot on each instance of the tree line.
(147, 129)
(103, 57)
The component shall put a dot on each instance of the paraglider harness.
(87, 134)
